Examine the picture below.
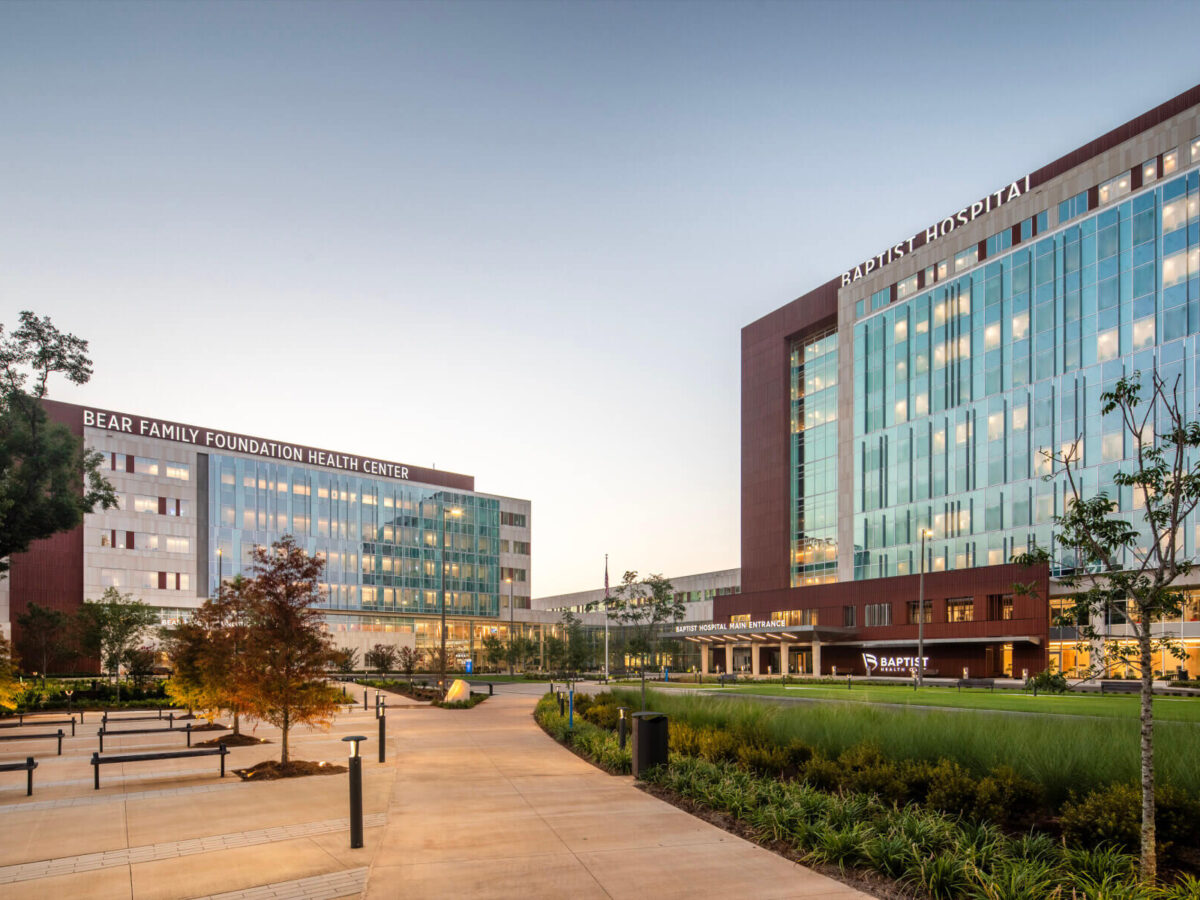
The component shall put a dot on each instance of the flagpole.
(606, 618)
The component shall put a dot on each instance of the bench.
(187, 730)
(97, 760)
(1120, 687)
(989, 683)
(106, 718)
(35, 737)
(28, 766)
(726, 679)
(70, 721)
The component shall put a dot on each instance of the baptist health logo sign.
(893, 665)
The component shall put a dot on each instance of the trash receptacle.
(650, 739)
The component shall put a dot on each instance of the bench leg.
(223, 761)
(60, 737)
(96, 771)
(29, 776)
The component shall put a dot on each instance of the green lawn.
(1171, 709)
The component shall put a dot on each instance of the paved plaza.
(470, 803)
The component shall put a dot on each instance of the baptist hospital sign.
(895, 665)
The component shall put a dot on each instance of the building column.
(784, 657)
(816, 655)
(754, 645)
(704, 652)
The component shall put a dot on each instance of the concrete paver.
(487, 805)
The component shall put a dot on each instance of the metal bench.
(726, 679)
(28, 766)
(97, 760)
(30, 724)
(187, 730)
(1120, 687)
(35, 737)
(989, 683)
(106, 718)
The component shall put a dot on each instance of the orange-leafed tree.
(224, 659)
(287, 649)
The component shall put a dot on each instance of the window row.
(145, 581)
(149, 503)
(144, 540)
(142, 465)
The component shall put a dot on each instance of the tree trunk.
(237, 725)
(1149, 861)
(284, 741)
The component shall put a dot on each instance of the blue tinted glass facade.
(380, 539)
(959, 389)
(814, 458)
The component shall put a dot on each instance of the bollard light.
(965, 675)
(356, 809)
(383, 738)
(622, 725)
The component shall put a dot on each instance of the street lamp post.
(925, 532)
(511, 626)
(220, 571)
(442, 591)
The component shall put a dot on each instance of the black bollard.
(365, 692)
(382, 738)
(561, 706)
(356, 808)
(60, 737)
(189, 733)
(100, 734)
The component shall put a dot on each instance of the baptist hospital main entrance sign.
(769, 647)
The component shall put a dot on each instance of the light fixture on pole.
(442, 584)
(925, 532)
(511, 626)
(606, 618)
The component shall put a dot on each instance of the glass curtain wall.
(380, 539)
(960, 389)
(814, 397)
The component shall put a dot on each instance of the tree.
(225, 664)
(288, 650)
(43, 636)
(10, 685)
(407, 661)
(556, 653)
(577, 649)
(381, 658)
(345, 659)
(1124, 571)
(139, 663)
(184, 644)
(643, 606)
(112, 626)
(48, 480)
(493, 651)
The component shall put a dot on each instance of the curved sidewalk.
(485, 804)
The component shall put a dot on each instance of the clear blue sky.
(517, 240)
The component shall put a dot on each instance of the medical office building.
(918, 390)
(195, 501)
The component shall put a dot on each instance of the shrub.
(603, 715)
(951, 788)
(1049, 682)
(1006, 797)
(717, 745)
(1114, 814)
(682, 738)
(765, 759)
(823, 774)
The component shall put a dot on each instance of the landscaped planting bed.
(943, 819)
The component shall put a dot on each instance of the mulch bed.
(866, 881)
(272, 770)
(233, 740)
(209, 726)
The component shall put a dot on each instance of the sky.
(513, 240)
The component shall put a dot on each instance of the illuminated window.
(1170, 162)
(901, 331)
(178, 470)
(144, 466)
(1116, 187)
(1149, 171)
(960, 609)
(995, 426)
(991, 336)
(1143, 333)
(966, 258)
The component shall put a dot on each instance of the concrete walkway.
(486, 805)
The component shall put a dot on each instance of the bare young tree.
(1123, 570)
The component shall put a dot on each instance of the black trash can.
(650, 740)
